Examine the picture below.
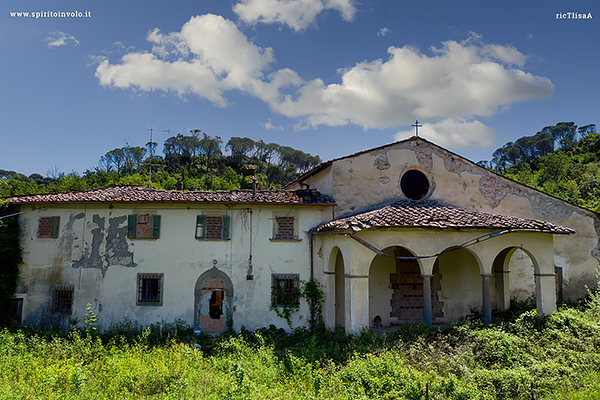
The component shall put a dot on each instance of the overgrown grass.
(559, 355)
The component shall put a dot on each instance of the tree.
(563, 133)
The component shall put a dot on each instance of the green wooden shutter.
(201, 221)
(131, 221)
(225, 223)
(55, 222)
(155, 226)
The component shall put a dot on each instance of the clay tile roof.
(432, 214)
(143, 194)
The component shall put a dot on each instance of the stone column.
(486, 298)
(545, 293)
(427, 310)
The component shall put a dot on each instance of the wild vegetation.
(558, 356)
(196, 160)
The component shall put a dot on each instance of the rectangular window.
(150, 289)
(212, 227)
(143, 226)
(285, 228)
(48, 227)
(285, 289)
(62, 301)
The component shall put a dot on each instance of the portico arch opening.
(457, 285)
(339, 287)
(395, 288)
(515, 272)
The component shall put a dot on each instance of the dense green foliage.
(556, 162)
(11, 257)
(560, 355)
(196, 161)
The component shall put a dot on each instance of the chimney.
(179, 186)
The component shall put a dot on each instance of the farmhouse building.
(404, 232)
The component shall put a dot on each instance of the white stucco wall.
(93, 256)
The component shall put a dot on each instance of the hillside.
(196, 160)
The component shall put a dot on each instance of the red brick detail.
(214, 227)
(143, 227)
(45, 228)
(212, 284)
(285, 228)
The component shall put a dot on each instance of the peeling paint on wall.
(112, 250)
(382, 162)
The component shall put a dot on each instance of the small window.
(414, 184)
(212, 227)
(143, 226)
(62, 301)
(285, 290)
(150, 289)
(48, 228)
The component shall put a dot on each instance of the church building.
(408, 231)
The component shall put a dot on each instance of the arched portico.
(461, 271)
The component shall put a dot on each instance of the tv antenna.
(151, 146)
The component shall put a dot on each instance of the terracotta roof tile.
(432, 214)
(143, 194)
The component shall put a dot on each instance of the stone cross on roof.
(417, 126)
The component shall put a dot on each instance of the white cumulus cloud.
(208, 56)
(58, 38)
(297, 14)
(453, 133)
(461, 79)
(447, 88)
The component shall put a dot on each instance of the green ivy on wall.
(11, 257)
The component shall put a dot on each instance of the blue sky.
(329, 77)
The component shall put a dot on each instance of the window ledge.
(150, 303)
(212, 240)
(284, 240)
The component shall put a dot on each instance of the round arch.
(213, 297)
(337, 288)
(514, 270)
(457, 287)
(395, 288)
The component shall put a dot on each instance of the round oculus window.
(414, 184)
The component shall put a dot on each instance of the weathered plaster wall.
(93, 255)
(371, 178)
(380, 292)
(460, 284)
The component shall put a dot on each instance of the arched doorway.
(339, 287)
(212, 301)
(395, 288)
